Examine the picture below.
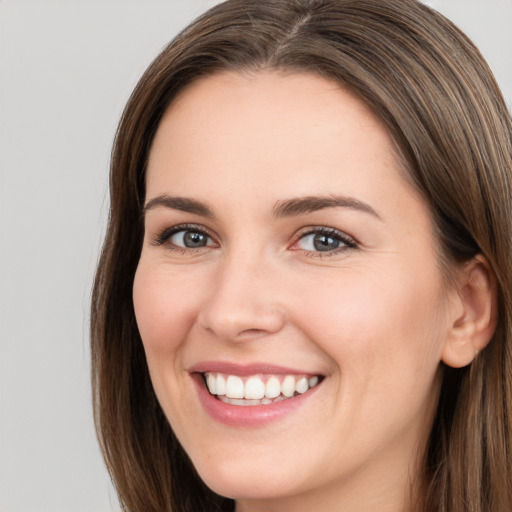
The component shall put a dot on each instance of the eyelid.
(165, 235)
(348, 241)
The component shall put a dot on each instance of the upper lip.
(243, 370)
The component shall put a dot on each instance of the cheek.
(163, 309)
(371, 320)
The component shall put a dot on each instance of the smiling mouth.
(258, 389)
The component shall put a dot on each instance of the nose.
(243, 302)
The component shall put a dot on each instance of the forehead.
(281, 135)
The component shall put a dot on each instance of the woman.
(303, 300)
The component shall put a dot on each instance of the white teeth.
(238, 401)
(272, 388)
(288, 386)
(302, 385)
(234, 387)
(220, 385)
(212, 381)
(254, 390)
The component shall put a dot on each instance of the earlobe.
(474, 322)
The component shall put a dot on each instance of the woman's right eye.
(190, 239)
(185, 238)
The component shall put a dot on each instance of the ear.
(474, 319)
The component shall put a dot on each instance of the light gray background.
(66, 70)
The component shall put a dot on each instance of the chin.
(246, 481)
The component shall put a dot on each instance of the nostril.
(252, 333)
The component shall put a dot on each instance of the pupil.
(325, 243)
(192, 239)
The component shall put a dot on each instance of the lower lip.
(250, 415)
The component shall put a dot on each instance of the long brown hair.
(439, 100)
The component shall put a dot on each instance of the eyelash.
(347, 242)
(164, 237)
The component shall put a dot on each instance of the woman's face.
(287, 260)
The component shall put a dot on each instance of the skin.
(373, 319)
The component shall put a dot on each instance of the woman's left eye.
(325, 240)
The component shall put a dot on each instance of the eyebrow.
(283, 208)
(309, 204)
(183, 204)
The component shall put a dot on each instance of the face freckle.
(341, 284)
